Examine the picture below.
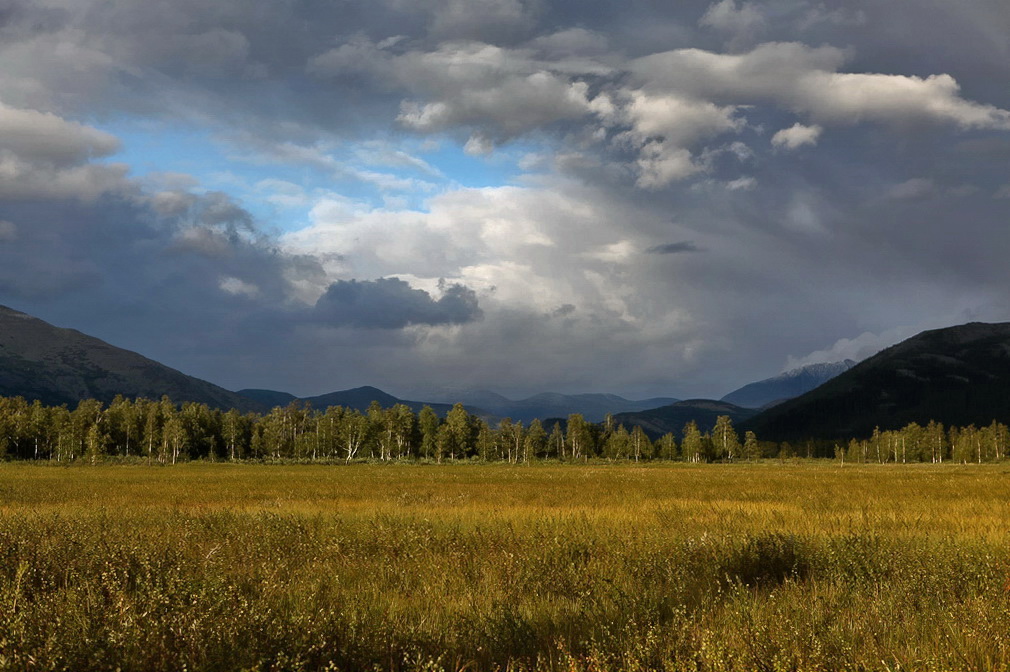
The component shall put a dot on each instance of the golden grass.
(546, 567)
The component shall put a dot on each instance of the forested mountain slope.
(63, 366)
(957, 376)
(673, 417)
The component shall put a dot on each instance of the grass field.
(484, 567)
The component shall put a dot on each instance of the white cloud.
(238, 287)
(858, 348)
(505, 92)
(854, 97)
(742, 184)
(678, 120)
(478, 145)
(671, 105)
(797, 136)
(659, 164)
(664, 127)
(44, 138)
(517, 105)
(806, 81)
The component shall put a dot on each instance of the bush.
(768, 559)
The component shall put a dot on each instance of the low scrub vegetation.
(502, 567)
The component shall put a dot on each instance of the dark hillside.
(957, 376)
(672, 418)
(63, 366)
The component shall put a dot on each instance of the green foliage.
(692, 447)
(160, 431)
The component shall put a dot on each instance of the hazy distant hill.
(787, 385)
(359, 398)
(489, 405)
(593, 407)
(63, 366)
(958, 375)
(269, 398)
(672, 418)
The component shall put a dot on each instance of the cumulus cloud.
(797, 136)
(42, 137)
(672, 104)
(238, 287)
(44, 155)
(857, 348)
(806, 80)
(665, 127)
(505, 91)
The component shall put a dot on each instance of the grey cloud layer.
(842, 174)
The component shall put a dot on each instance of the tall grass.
(679, 567)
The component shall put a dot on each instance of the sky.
(430, 196)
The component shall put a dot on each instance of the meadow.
(764, 566)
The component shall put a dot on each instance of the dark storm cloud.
(675, 248)
(391, 303)
(199, 289)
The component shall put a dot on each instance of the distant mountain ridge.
(672, 418)
(957, 375)
(63, 366)
(787, 385)
(359, 398)
(593, 407)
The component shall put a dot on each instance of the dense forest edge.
(164, 432)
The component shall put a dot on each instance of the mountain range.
(593, 407)
(62, 366)
(957, 375)
(359, 398)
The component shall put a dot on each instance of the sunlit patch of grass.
(484, 567)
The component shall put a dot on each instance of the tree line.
(165, 432)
